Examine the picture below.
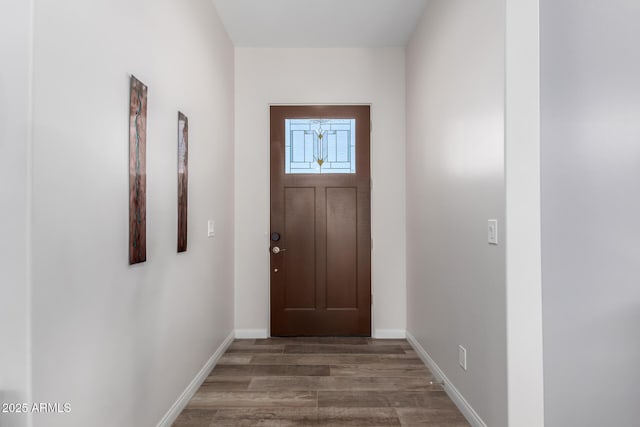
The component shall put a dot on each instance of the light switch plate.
(492, 231)
(211, 224)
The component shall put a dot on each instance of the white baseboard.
(377, 333)
(251, 333)
(175, 410)
(467, 410)
(389, 333)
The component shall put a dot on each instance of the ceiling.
(320, 23)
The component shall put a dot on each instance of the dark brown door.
(320, 221)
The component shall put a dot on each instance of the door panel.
(299, 229)
(320, 208)
(342, 248)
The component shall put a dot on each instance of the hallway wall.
(590, 83)
(15, 39)
(299, 76)
(455, 183)
(120, 343)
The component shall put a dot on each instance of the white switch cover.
(462, 357)
(492, 231)
(211, 228)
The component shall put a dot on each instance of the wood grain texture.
(183, 180)
(427, 416)
(381, 370)
(433, 398)
(214, 383)
(137, 172)
(270, 370)
(209, 399)
(314, 340)
(267, 417)
(196, 418)
(352, 387)
(339, 383)
(335, 359)
(255, 349)
(370, 417)
(235, 359)
(335, 349)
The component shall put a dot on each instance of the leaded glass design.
(320, 146)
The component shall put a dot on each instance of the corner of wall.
(523, 215)
(454, 394)
(184, 398)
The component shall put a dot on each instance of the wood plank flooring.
(320, 382)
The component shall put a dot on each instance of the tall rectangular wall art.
(183, 179)
(137, 172)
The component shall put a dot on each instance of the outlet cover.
(492, 231)
(462, 357)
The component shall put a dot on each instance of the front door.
(320, 221)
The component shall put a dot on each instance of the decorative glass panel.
(320, 146)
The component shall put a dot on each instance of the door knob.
(277, 250)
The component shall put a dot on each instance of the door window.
(320, 146)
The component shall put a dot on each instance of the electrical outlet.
(462, 357)
(211, 228)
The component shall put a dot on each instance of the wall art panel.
(183, 179)
(137, 172)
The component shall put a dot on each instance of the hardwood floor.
(320, 382)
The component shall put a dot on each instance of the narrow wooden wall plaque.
(183, 179)
(137, 172)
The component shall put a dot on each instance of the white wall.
(121, 343)
(455, 183)
(15, 40)
(320, 76)
(591, 211)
